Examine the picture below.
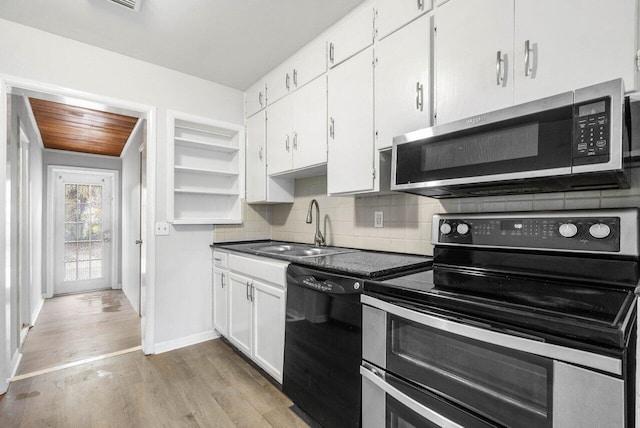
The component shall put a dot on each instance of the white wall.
(20, 113)
(42, 57)
(130, 261)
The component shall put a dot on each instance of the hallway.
(76, 327)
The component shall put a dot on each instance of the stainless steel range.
(527, 320)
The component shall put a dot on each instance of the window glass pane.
(83, 193)
(70, 251)
(84, 250)
(71, 212)
(70, 193)
(70, 232)
(96, 232)
(96, 194)
(96, 250)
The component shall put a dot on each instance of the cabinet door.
(469, 35)
(402, 82)
(279, 136)
(279, 82)
(240, 312)
(310, 62)
(256, 158)
(393, 14)
(255, 98)
(220, 286)
(268, 328)
(351, 143)
(572, 44)
(310, 124)
(352, 36)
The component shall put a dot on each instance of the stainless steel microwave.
(577, 140)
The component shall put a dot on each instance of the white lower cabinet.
(220, 297)
(256, 310)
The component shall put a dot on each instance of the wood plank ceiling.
(78, 129)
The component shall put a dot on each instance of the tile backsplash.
(348, 221)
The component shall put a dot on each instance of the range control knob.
(600, 230)
(445, 228)
(568, 230)
(462, 228)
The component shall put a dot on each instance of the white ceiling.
(232, 42)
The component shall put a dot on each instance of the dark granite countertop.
(363, 263)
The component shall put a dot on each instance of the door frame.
(16, 85)
(52, 170)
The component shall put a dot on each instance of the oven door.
(503, 377)
(391, 402)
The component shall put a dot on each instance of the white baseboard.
(36, 312)
(15, 363)
(170, 345)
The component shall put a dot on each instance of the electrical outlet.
(162, 228)
(378, 219)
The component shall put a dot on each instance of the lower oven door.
(505, 378)
(390, 402)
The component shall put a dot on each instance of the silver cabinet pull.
(260, 153)
(419, 96)
(528, 50)
(286, 81)
(222, 281)
(138, 241)
(295, 141)
(251, 293)
(331, 50)
(260, 98)
(286, 143)
(332, 133)
(295, 77)
(247, 292)
(421, 4)
(499, 68)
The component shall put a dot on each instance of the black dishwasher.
(323, 333)
(323, 345)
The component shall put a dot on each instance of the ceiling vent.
(133, 5)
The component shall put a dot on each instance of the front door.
(83, 233)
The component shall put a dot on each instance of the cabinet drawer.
(268, 270)
(220, 259)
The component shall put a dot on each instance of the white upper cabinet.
(350, 166)
(309, 63)
(296, 130)
(260, 187)
(279, 136)
(310, 125)
(497, 53)
(572, 44)
(279, 82)
(351, 36)
(256, 97)
(393, 14)
(473, 58)
(402, 82)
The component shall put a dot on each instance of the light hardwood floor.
(205, 385)
(74, 327)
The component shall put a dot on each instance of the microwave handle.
(373, 376)
(510, 341)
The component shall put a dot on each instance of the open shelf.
(196, 144)
(204, 171)
(207, 165)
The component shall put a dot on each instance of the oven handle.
(556, 352)
(425, 412)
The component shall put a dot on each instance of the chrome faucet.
(318, 240)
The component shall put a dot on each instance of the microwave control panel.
(591, 134)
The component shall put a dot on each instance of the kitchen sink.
(300, 250)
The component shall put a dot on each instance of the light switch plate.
(378, 219)
(162, 228)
